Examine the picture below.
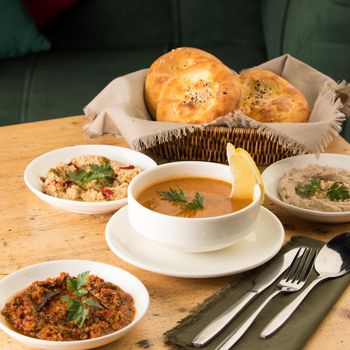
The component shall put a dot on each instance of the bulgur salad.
(89, 178)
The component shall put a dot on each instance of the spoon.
(332, 261)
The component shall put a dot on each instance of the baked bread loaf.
(199, 94)
(167, 66)
(267, 97)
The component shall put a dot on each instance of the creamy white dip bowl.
(273, 174)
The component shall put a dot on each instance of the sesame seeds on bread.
(268, 98)
(189, 85)
(199, 94)
(166, 67)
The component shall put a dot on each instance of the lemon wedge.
(245, 174)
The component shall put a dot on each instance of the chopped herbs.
(103, 173)
(179, 197)
(78, 310)
(309, 189)
(336, 192)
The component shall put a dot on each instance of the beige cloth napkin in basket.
(120, 109)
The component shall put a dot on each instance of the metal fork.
(292, 281)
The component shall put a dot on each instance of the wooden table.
(31, 231)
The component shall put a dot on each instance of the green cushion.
(321, 39)
(233, 27)
(346, 130)
(56, 84)
(18, 33)
(96, 24)
(274, 14)
(14, 79)
(316, 32)
(237, 57)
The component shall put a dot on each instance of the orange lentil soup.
(196, 197)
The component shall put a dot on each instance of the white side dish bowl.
(273, 174)
(21, 279)
(39, 167)
(190, 234)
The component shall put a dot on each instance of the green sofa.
(98, 40)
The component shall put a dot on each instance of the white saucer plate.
(255, 249)
(273, 173)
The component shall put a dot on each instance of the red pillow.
(42, 11)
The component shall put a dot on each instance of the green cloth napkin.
(294, 333)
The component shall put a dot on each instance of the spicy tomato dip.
(41, 310)
(89, 179)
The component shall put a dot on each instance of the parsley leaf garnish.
(179, 196)
(77, 177)
(83, 315)
(82, 279)
(197, 202)
(338, 192)
(78, 310)
(68, 300)
(76, 284)
(309, 189)
(93, 302)
(103, 173)
(75, 310)
(174, 196)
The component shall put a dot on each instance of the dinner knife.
(261, 282)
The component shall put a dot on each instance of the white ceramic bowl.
(21, 279)
(189, 234)
(40, 166)
(273, 173)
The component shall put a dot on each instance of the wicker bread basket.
(120, 107)
(209, 144)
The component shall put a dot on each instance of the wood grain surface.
(31, 231)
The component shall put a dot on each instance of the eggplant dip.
(89, 179)
(317, 188)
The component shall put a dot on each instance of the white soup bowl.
(189, 234)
